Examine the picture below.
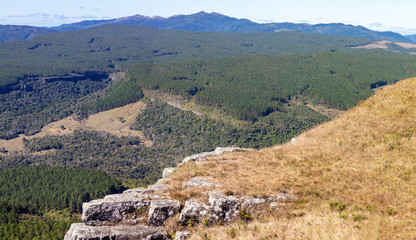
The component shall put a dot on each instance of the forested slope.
(108, 48)
(249, 87)
(55, 75)
(354, 177)
(41, 202)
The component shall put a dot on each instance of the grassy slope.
(116, 121)
(363, 159)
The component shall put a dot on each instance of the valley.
(106, 108)
(115, 121)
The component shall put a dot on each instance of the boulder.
(128, 208)
(193, 212)
(139, 190)
(223, 208)
(281, 197)
(182, 235)
(167, 172)
(162, 210)
(252, 204)
(218, 152)
(79, 231)
(200, 182)
(158, 187)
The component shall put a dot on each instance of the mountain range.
(203, 22)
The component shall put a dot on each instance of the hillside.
(354, 176)
(53, 76)
(217, 22)
(251, 87)
(19, 32)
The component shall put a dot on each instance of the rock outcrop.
(200, 182)
(218, 152)
(79, 231)
(141, 213)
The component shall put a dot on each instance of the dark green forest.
(53, 76)
(40, 202)
(38, 102)
(250, 87)
(176, 134)
(111, 48)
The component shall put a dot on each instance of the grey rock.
(275, 204)
(138, 191)
(182, 235)
(193, 212)
(281, 197)
(252, 204)
(162, 210)
(200, 182)
(158, 187)
(222, 150)
(167, 172)
(129, 208)
(223, 208)
(79, 231)
(200, 162)
(218, 152)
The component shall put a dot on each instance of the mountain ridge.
(216, 22)
(203, 21)
(20, 32)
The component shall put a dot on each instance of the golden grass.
(187, 104)
(116, 121)
(365, 159)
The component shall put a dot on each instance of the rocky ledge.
(141, 213)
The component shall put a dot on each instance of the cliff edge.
(142, 213)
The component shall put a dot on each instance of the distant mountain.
(215, 22)
(346, 30)
(412, 37)
(17, 32)
(82, 25)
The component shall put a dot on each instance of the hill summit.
(354, 177)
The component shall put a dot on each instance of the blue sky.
(379, 15)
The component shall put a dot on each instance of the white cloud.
(303, 21)
(377, 26)
(48, 20)
(266, 21)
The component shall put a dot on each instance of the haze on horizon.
(380, 15)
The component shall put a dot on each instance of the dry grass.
(187, 104)
(365, 159)
(115, 121)
(384, 45)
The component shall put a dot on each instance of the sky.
(380, 15)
